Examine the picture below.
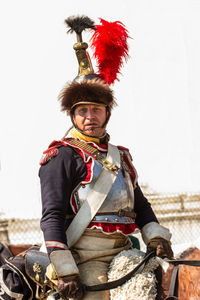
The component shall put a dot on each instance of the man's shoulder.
(125, 151)
(56, 148)
(122, 148)
(127, 162)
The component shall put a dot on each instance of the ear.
(73, 115)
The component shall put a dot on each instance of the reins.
(115, 283)
(193, 263)
(173, 290)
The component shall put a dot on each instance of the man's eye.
(82, 111)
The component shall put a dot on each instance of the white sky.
(158, 93)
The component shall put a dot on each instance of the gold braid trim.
(94, 153)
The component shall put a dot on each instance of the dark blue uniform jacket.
(59, 177)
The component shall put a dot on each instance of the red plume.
(110, 46)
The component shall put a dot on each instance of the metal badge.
(37, 269)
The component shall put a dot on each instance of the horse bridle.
(173, 289)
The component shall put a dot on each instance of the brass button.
(116, 220)
(82, 64)
(94, 219)
(106, 219)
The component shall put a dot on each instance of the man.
(91, 200)
(90, 193)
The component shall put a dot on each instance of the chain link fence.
(24, 231)
(178, 212)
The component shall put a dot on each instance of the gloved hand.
(70, 287)
(161, 247)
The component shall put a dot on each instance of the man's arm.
(59, 177)
(155, 236)
(143, 209)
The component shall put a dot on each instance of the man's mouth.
(91, 125)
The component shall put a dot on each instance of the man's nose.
(89, 114)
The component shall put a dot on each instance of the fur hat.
(87, 91)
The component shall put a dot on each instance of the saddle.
(35, 265)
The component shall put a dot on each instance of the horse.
(188, 287)
(11, 250)
(188, 279)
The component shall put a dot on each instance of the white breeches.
(93, 253)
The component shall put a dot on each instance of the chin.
(92, 133)
(95, 132)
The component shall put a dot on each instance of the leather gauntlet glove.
(70, 287)
(161, 247)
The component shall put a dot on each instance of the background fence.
(178, 212)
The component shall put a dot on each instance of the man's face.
(90, 118)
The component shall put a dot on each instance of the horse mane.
(186, 252)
